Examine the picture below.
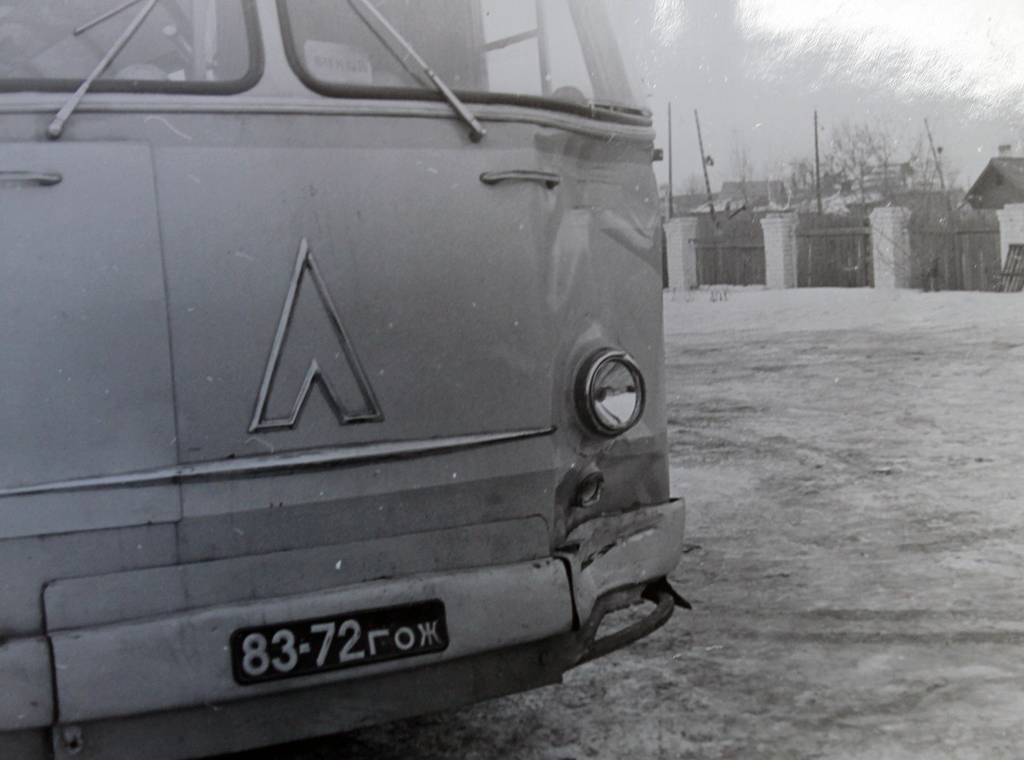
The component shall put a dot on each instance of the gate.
(979, 254)
(731, 252)
(964, 256)
(833, 251)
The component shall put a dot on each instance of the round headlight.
(610, 393)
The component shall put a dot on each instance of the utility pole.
(670, 186)
(817, 163)
(935, 157)
(704, 158)
(951, 212)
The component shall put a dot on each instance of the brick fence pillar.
(890, 247)
(779, 250)
(680, 237)
(1011, 228)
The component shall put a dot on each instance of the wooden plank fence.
(953, 248)
(732, 251)
(730, 262)
(947, 258)
(833, 251)
(1013, 272)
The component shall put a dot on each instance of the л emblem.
(312, 348)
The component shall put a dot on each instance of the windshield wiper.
(413, 63)
(109, 14)
(57, 125)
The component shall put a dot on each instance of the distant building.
(888, 178)
(1001, 182)
(686, 202)
(753, 194)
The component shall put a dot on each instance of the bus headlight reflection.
(610, 393)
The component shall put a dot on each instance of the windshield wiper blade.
(57, 125)
(390, 36)
(109, 14)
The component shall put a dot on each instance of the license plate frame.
(290, 649)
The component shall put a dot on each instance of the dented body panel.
(292, 354)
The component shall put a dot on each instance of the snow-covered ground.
(689, 312)
(853, 463)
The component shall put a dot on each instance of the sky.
(756, 70)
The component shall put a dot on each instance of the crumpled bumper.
(620, 560)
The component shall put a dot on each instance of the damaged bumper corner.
(617, 561)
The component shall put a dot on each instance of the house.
(753, 194)
(1001, 182)
(888, 178)
(686, 202)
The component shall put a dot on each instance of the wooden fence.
(1012, 277)
(964, 256)
(732, 251)
(833, 252)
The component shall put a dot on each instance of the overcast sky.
(757, 69)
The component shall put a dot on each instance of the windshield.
(554, 53)
(182, 45)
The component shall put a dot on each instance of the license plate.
(285, 650)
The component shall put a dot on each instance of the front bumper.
(127, 689)
(184, 660)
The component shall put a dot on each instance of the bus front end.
(331, 366)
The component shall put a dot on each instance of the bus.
(331, 365)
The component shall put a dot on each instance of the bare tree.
(800, 174)
(851, 155)
(694, 184)
(879, 159)
(740, 165)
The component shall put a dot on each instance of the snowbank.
(704, 311)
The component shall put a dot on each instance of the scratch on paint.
(170, 126)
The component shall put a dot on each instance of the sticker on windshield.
(334, 63)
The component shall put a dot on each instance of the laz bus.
(331, 365)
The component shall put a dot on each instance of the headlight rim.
(585, 395)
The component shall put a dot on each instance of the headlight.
(610, 392)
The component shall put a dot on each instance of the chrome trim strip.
(240, 104)
(274, 463)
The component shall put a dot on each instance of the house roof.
(755, 192)
(751, 195)
(682, 203)
(1002, 181)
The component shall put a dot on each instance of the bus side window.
(220, 52)
(512, 47)
(335, 47)
(533, 48)
(568, 76)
